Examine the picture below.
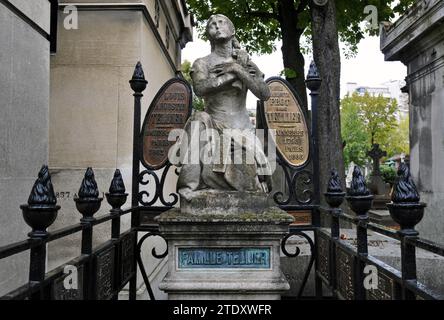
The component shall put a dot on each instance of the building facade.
(417, 40)
(73, 108)
(25, 38)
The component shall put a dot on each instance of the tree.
(328, 59)
(198, 102)
(366, 120)
(260, 23)
(353, 133)
(399, 138)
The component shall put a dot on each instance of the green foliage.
(258, 26)
(288, 73)
(388, 174)
(255, 33)
(198, 103)
(399, 138)
(366, 120)
(353, 133)
(378, 114)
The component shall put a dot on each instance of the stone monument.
(380, 189)
(377, 185)
(224, 240)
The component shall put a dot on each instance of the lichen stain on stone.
(273, 215)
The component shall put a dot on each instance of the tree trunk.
(327, 57)
(291, 50)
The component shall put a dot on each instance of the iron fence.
(104, 271)
(341, 265)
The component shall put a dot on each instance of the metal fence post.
(407, 211)
(39, 214)
(360, 201)
(313, 83)
(334, 197)
(116, 197)
(138, 85)
(88, 203)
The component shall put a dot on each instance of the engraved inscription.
(284, 114)
(344, 265)
(301, 218)
(224, 258)
(169, 110)
(104, 273)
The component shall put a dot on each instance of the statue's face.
(219, 28)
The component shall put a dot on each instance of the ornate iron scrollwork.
(144, 179)
(155, 255)
(295, 179)
(302, 234)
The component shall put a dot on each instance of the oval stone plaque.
(170, 109)
(283, 113)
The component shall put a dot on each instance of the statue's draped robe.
(221, 114)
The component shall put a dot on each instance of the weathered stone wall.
(24, 103)
(417, 40)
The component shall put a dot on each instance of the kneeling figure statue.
(223, 79)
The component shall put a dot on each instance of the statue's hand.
(224, 68)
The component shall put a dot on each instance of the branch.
(301, 7)
(260, 14)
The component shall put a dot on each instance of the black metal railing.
(97, 273)
(102, 272)
(341, 265)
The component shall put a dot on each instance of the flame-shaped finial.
(138, 72)
(358, 186)
(42, 193)
(404, 189)
(313, 71)
(117, 186)
(88, 188)
(334, 185)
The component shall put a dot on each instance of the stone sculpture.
(222, 79)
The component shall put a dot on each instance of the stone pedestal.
(224, 256)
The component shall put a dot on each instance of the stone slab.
(224, 202)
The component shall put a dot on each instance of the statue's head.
(219, 28)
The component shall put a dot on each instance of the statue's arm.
(203, 84)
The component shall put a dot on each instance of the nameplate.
(224, 258)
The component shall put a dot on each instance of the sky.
(367, 68)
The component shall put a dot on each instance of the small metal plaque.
(301, 218)
(224, 258)
(283, 113)
(127, 257)
(105, 273)
(344, 273)
(324, 257)
(169, 110)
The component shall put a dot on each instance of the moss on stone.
(270, 215)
